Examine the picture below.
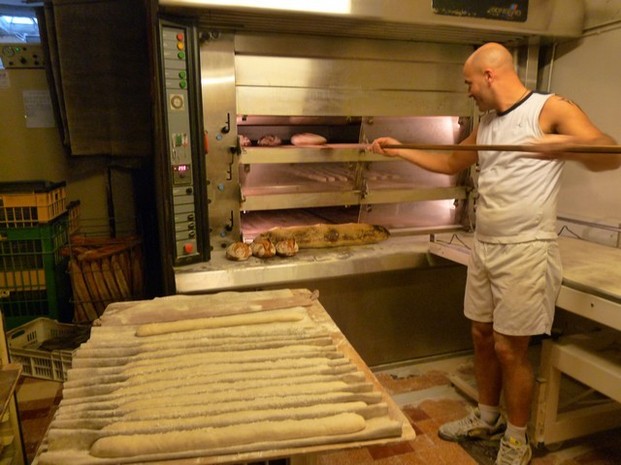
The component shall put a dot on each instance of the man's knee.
(482, 335)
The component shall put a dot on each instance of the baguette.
(328, 235)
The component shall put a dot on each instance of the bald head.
(491, 55)
(491, 77)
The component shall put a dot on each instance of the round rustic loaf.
(263, 248)
(287, 247)
(238, 251)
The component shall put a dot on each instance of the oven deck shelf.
(396, 253)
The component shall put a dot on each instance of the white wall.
(588, 71)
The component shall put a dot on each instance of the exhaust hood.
(414, 20)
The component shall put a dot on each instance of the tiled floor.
(424, 393)
(428, 399)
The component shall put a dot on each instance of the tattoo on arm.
(571, 102)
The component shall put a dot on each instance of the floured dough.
(213, 438)
(197, 396)
(233, 418)
(219, 322)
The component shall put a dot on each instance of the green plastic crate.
(33, 272)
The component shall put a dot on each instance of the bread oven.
(279, 87)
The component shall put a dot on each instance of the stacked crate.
(33, 270)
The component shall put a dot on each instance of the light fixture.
(307, 6)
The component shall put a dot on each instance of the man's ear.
(488, 74)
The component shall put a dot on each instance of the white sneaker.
(513, 452)
(472, 427)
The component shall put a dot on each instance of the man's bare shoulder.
(557, 112)
(559, 102)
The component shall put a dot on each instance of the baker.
(514, 271)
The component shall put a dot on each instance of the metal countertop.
(591, 275)
(396, 253)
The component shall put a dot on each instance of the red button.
(180, 37)
(188, 248)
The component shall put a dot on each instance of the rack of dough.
(221, 378)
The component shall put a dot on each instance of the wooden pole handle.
(506, 148)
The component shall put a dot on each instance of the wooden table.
(124, 317)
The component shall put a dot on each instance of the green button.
(181, 55)
(182, 74)
(183, 84)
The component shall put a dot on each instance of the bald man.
(514, 272)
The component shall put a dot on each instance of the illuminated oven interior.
(342, 181)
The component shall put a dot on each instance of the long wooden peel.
(507, 148)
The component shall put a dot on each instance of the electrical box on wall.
(22, 56)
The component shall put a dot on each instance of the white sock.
(516, 432)
(489, 413)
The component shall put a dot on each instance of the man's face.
(477, 88)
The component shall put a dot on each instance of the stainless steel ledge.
(397, 253)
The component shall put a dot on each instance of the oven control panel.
(180, 144)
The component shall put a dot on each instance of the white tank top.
(517, 195)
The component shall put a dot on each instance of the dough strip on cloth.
(190, 376)
(231, 344)
(194, 418)
(204, 395)
(376, 428)
(123, 336)
(180, 357)
(84, 436)
(227, 436)
(199, 407)
(207, 385)
(176, 308)
(276, 316)
(77, 376)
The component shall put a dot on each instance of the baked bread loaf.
(307, 138)
(263, 248)
(269, 140)
(328, 235)
(287, 247)
(244, 141)
(238, 251)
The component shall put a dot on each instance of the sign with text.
(504, 10)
